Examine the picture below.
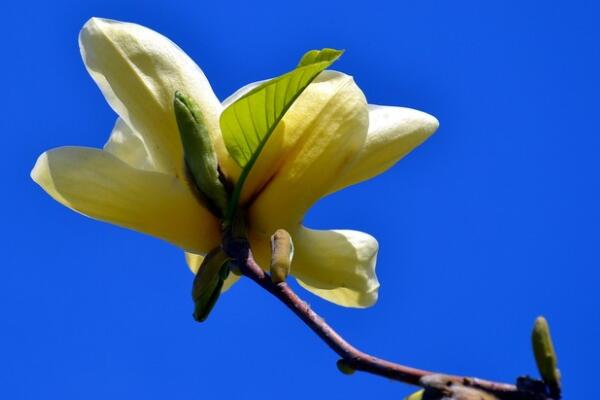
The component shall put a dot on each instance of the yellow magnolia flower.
(329, 139)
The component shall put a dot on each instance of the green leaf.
(315, 56)
(248, 123)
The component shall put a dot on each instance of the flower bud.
(282, 253)
(545, 356)
(208, 282)
(199, 153)
(344, 367)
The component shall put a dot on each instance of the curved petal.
(129, 147)
(393, 133)
(99, 185)
(321, 132)
(337, 265)
(195, 260)
(138, 71)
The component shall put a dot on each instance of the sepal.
(199, 153)
(208, 282)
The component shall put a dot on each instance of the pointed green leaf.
(315, 56)
(247, 124)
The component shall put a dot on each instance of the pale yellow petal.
(321, 133)
(337, 265)
(195, 260)
(129, 147)
(393, 133)
(99, 185)
(138, 71)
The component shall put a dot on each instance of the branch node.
(344, 367)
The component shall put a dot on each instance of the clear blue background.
(491, 222)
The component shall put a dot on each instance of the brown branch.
(239, 250)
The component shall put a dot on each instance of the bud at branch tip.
(545, 356)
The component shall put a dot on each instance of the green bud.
(199, 153)
(418, 395)
(544, 353)
(282, 253)
(208, 282)
(344, 367)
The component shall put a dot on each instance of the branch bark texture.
(240, 251)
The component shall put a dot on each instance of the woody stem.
(240, 252)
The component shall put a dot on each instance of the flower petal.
(337, 265)
(99, 185)
(321, 132)
(393, 133)
(138, 71)
(195, 260)
(129, 147)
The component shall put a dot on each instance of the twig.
(239, 250)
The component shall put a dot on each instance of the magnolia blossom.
(329, 139)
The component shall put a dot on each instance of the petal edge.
(99, 185)
(393, 133)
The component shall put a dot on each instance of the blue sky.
(491, 222)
